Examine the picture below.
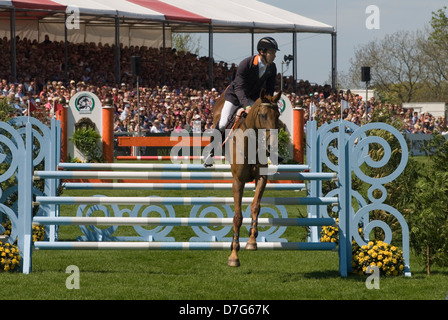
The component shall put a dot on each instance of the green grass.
(204, 275)
(129, 275)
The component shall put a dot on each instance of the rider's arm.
(240, 82)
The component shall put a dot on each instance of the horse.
(264, 114)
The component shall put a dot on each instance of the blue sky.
(314, 50)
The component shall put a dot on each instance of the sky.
(314, 50)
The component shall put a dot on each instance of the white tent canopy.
(147, 22)
(227, 16)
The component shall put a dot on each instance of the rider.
(253, 74)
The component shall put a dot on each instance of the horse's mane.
(252, 114)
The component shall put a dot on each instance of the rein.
(263, 104)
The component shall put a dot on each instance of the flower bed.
(389, 259)
(9, 257)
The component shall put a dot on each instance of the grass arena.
(169, 265)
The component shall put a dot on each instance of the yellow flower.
(370, 244)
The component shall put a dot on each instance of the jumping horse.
(264, 114)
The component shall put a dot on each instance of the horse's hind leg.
(255, 211)
(233, 259)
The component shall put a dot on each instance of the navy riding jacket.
(247, 83)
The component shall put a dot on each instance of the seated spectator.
(156, 127)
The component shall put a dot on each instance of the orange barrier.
(108, 134)
(62, 116)
(163, 141)
(299, 135)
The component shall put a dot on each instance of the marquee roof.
(223, 16)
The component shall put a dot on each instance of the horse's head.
(265, 111)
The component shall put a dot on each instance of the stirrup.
(209, 160)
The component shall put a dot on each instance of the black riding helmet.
(267, 43)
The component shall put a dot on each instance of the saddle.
(239, 112)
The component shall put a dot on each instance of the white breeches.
(227, 110)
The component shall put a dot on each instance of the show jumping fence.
(27, 146)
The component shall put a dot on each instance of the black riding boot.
(208, 161)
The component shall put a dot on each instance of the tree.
(186, 42)
(439, 25)
(396, 63)
(436, 49)
(408, 65)
(428, 221)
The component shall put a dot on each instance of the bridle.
(265, 104)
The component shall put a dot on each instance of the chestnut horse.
(264, 114)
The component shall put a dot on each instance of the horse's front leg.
(255, 211)
(238, 188)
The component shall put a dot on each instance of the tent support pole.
(13, 45)
(252, 41)
(164, 54)
(334, 70)
(117, 50)
(210, 56)
(294, 61)
(65, 49)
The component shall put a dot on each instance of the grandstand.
(148, 23)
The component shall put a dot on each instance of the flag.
(31, 106)
(58, 107)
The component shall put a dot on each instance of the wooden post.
(108, 132)
(298, 134)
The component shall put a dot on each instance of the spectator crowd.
(182, 101)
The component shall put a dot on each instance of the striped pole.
(177, 186)
(169, 158)
(169, 167)
(185, 200)
(91, 245)
(161, 221)
(174, 175)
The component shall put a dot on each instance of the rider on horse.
(253, 74)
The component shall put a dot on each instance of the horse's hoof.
(233, 262)
(251, 246)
